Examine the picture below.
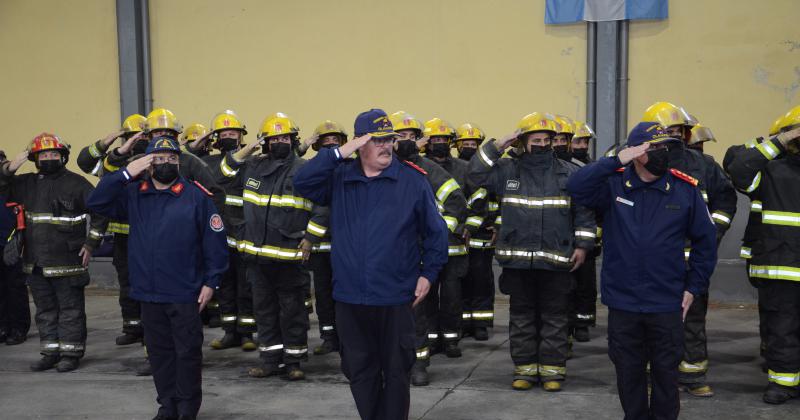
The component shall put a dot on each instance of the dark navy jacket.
(177, 241)
(379, 227)
(645, 227)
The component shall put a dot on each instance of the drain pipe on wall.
(622, 82)
(146, 71)
(591, 79)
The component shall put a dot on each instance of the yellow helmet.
(667, 115)
(329, 127)
(536, 121)
(162, 119)
(402, 120)
(438, 127)
(277, 126)
(134, 123)
(791, 120)
(775, 128)
(194, 132)
(227, 120)
(469, 131)
(582, 130)
(700, 134)
(565, 125)
(295, 127)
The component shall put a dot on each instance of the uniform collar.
(147, 187)
(354, 172)
(631, 181)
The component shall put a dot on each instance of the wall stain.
(793, 45)
(566, 51)
(762, 76)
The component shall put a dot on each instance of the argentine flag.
(572, 11)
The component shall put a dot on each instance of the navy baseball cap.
(163, 144)
(374, 122)
(649, 132)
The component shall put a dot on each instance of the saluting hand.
(199, 143)
(788, 136)
(506, 140)
(577, 259)
(351, 146)
(139, 165)
(311, 140)
(107, 140)
(423, 287)
(128, 145)
(422, 142)
(630, 153)
(206, 293)
(18, 161)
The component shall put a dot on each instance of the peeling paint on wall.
(762, 76)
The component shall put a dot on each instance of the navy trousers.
(377, 350)
(173, 333)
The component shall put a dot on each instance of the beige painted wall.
(734, 64)
(59, 72)
(463, 60)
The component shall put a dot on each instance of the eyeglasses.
(383, 141)
(164, 159)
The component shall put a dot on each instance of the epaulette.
(622, 169)
(203, 189)
(684, 177)
(143, 186)
(177, 187)
(415, 167)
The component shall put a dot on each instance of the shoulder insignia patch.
(177, 188)
(622, 169)
(216, 223)
(203, 189)
(143, 186)
(415, 167)
(684, 177)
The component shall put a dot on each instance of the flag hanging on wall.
(572, 11)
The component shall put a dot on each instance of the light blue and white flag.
(572, 11)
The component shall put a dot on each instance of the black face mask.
(228, 144)
(539, 150)
(165, 173)
(406, 149)
(467, 153)
(439, 150)
(562, 152)
(329, 146)
(580, 154)
(657, 162)
(139, 147)
(280, 150)
(50, 166)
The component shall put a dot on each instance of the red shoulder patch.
(684, 177)
(144, 186)
(203, 189)
(177, 188)
(622, 169)
(415, 167)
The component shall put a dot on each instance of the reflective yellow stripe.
(234, 200)
(783, 218)
(546, 370)
(446, 189)
(584, 233)
(479, 243)
(97, 166)
(226, 169)
(482, 315)
(271, 251)
(526, 370)
(705, 195)
(477, 195)
(755, 183)
(498, 220)
(315, 229)
(536, 255)
(537, 202)
(686, 253)
(769, 150)
(456, 250)
(494, 206)
(423, 353)
(484, 157)
(94, 151)
(775, 272)
(745, 252)
(61, 271)
(117, 227)
(721, 217)
(785, 379)
(755, 206)
(466, 315)
(321, 247)
(108, 166)
(48, 218)
(95, 234)
(475, 221)
(452, 222)
(693, 367)
(277, 200)
(232, 242)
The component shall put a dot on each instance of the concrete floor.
(476, 386)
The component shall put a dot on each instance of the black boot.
(327, 346)
(419, 375)
(294, 373)
(144, 369)
(229, 340)
(16, 337)
(481, 334)
(779, 394)
(451, 349)
(214, 321)
(67, 364)
(128, 338)
(581, 334)
(45, 363)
